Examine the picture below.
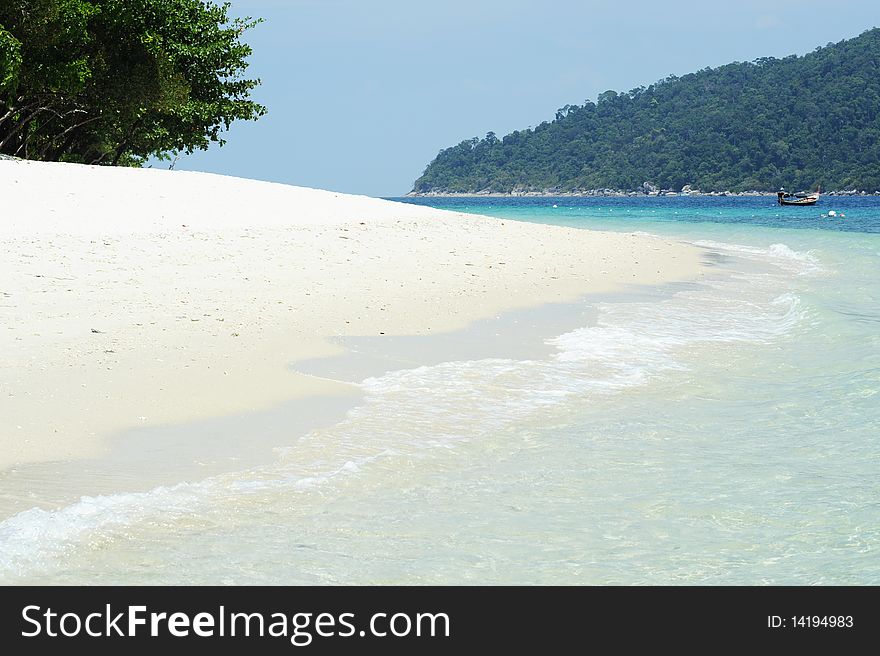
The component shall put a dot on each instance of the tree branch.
(69, 136)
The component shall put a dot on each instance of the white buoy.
(832, 213)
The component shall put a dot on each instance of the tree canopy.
(118, 81)
(797, 122)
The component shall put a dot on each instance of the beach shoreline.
(136, 298)
(637, 436)
(143, 458)
(622, 193)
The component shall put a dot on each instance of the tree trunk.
(120, 149)
(21, 125)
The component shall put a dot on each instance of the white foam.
(39, 539)
(33, 538)
(801, 262)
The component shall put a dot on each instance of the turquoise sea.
(726, 432)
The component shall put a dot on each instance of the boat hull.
(804, 201)
(797, 199)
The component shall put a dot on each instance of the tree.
(117, 81)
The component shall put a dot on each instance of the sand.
(132, 297)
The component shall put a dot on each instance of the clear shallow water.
(726, 433)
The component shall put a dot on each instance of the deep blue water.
(862, 213)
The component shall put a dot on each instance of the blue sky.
(362, 94)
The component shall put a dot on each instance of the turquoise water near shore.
(748, 461)
(724, 432)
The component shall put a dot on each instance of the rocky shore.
(647, 189)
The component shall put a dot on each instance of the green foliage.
(10, 63)
(117, 81)
(796, 122)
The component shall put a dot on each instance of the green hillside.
(796, 122)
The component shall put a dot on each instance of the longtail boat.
(796, 199)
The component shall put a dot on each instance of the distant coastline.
(615, 193)
(795, 122)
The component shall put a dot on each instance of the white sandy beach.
(134, 297)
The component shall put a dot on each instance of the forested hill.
(796, 122)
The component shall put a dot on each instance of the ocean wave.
(800, 262)
(412, 413)
(39, 539)
(33, 539)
